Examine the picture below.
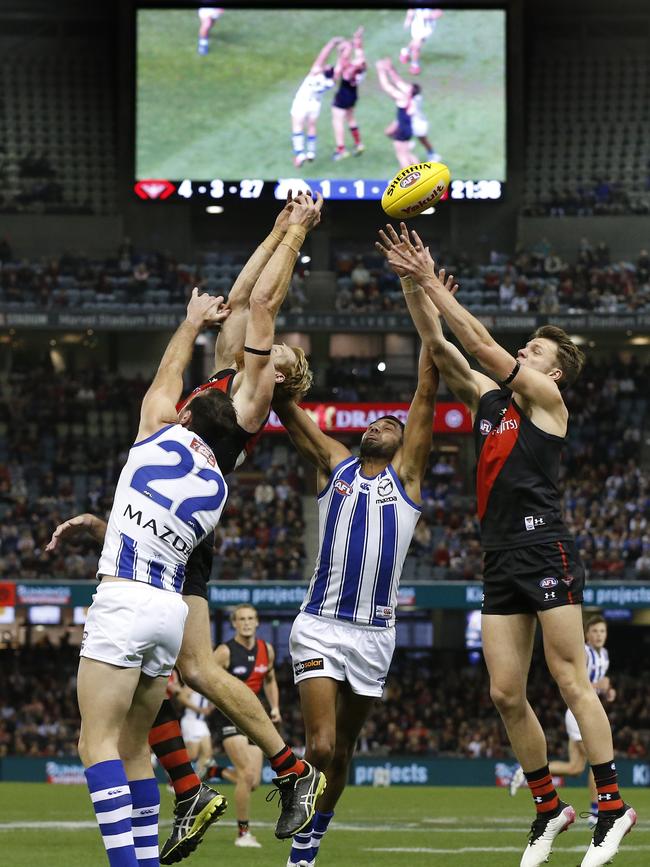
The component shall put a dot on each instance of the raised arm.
(414, 259)
(468, 385)
(357, 43)
(418, 433)
(384, 82)
(159, 403)
(230, 341)
(319, 63)
(322, 451)
(253, 398)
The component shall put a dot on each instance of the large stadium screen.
(237, 102)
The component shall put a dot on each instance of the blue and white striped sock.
(144, 818)
(311, 144)
(298, 141)
(301, 846)
(321, 824)
(111, 797)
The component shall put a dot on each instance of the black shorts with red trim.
(533, 578)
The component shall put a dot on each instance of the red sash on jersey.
(222, 381)
(255, 679)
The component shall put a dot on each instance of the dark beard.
(370, 449)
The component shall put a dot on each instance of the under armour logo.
(604, 797)
(538, 799)
(550, 595)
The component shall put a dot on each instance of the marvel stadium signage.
(22, 316)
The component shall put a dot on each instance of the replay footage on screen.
(229, 101)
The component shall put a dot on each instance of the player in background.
(419, 121)
(401, 129)
(169, 496)
(306, 104)
(343, 639)
(349, 71)
(196, 733)
(251, 659)
(597, 667)
(207, 16)
(258, 291)
(422, 23)
(532, 570)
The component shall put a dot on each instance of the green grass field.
(53, 826)
(226, 114)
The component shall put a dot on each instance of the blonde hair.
(241, 607)
(297, 378)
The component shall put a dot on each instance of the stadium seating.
(580, 158)
(78, 428)
(433, 705)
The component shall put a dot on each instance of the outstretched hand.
(282, 220)
(206, 310)
(80, 525)
(408, 257)
(306, 211)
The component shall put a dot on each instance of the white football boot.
(543, 832)
(608, 833)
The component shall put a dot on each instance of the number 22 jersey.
(169, 496)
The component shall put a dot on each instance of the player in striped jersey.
(169, 495)
(258, 292)
(342, 641)
(597, 667)
(532, 571)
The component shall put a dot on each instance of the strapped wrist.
(294, 238)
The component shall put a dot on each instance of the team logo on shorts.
(547, 583)
(568, 580)
(485, 426)
(342, 487)
(316, 664)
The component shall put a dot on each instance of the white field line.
(338, 826)
(466, 849)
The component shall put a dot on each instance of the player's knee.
(507, 699)
(82, 749)
(321, 750)
(250, 778)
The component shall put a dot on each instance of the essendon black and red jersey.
(251, 666)
(233, 450)
(516, 476)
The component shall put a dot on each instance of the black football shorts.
(533, 578)
(198, 569)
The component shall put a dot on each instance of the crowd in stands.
(64, 438)
(126, 280)
(433, 706)
(596, 197)
(63, 441)
(530, 281)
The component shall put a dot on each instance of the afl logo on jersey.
(342, 488)
(485, 426)
(238, 670)
(546, 583)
